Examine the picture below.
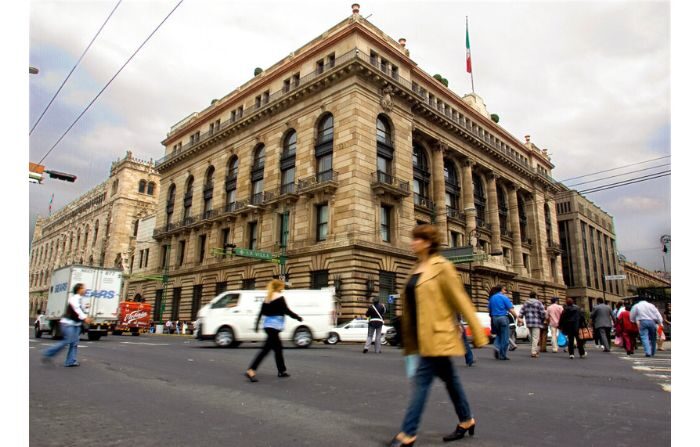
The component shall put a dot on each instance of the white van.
(229, 318)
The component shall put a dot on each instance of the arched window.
(288, 161)
(231, 182)
(94, 235)
(324, 149)
(548, 225)
(522, 215)
(170, 205)
(479, 201)
(256, 175)
(208, 193)
(77, 240)
(115, 186)
(451, 187)
(502, 210)
(385, 150)
(421, 177)
(87, 233)
(187, 200)
(142, 186)
(151, 188)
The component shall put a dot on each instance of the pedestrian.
(375, 313)
(71, 324)
(571, 321)
(433, 295)
(469, 356)
(274, 308)
(628, 329)
(184, 327)
(647, 317)
(660, 338)
(554, 311)
(499, 308)
(533, 313)
(169, 327)
(178, 325)
(602, 319)
(619, 307)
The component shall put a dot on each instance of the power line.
(74, 67)
(615, 169)
(619, 175)
(110, 81)
(615, 185)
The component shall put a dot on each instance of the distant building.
(589, 253)
(97, 229)
(327, 160)
(640, 278)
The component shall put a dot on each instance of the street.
(160, 390)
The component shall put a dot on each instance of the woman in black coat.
(571, 320)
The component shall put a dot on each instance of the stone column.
(558, 275)
(492, 212)
(513, 214)
(438, 178)
(536, 226)
(468, 182)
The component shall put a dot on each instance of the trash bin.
(159, 328)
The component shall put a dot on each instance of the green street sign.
(246, 253)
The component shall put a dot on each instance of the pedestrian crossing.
(657, 368)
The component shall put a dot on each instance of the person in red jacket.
(628, 329)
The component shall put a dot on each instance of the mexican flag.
(469, 51)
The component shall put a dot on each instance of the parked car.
(485, 321)
(355, 330)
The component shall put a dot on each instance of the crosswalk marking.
(657, 368)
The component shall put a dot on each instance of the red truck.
(133, 317)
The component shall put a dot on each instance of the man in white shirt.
(647, 316)
(71, 324)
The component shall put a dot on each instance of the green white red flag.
(469, 51)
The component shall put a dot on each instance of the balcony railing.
(326, 179)
(456, 214)
(289, 188)
(383, 182)
(423, 202)
(210, 214)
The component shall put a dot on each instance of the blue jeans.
(647, 332)
(71, 337)
(428, 368)
(469, 356)
(500, 326)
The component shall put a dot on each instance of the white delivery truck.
(101, 299)
(229, 318)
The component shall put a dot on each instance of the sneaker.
(555, 351)
(571, 357)
(73, 365)
(364, 351)
(585, 354)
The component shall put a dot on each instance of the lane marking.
(144, 344)
(647, 368)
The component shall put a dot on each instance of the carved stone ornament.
(387, 101)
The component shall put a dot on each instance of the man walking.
(71, 324)
(499, 308)
(553, 315)
(534, 314)
(375, 312)
(647, 316)
(602, 318)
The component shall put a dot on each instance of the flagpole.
(469, 55)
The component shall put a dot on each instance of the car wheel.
(332, 339)
(116, 332)
(37, 331)
(224, 338)
(92, 336)
(302, 337)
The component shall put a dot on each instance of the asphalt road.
(160, 390)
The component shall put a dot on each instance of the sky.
(589, 81)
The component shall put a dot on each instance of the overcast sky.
(590, 81)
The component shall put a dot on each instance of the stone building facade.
(638, 277)
(329, 158)
(97, 229)
(589, 252)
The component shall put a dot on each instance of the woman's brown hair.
(273, 286)
(428, 233)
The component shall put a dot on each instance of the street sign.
(391, 298)
(614, 277)
(246, 253)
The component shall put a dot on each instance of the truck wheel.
(224, 338)
(116, 332)
(56, 332)
(302, 337)
(332, 339)
(37, 331)
(135, 333)
(92, 336)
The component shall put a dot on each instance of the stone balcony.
(385, 184)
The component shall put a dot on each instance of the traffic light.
(61, 176)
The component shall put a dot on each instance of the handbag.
(585, 333)
(561, 339)
(411, 364)
(618, 340)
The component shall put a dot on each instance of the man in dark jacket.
(602, 322)
(375, 312)
(571, 320)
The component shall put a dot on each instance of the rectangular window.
(385, 223)
(181, 253)
(202, 247)
(319, 279)
(331, 60)
(252, 235)
(163, 256)
(395, 72)
(373, 56)
(295, 79)
(157, 306)
(196, 301)
(249, 284)
(145, 262)
(220, 288)
(319, 67)
(177, 294)
(266, 97)
(258, 101)
(526, 262)
(284, 229)
(322, 222)
(140, 258)
(225, 234)
(454, 239)
(516, 297)
(286, 86)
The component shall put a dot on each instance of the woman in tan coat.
(433, 295)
